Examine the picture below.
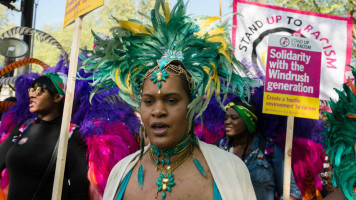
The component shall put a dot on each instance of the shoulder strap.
(51, 163)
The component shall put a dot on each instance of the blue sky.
(52, 11)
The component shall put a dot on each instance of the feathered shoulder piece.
(202, 46)
(340, 138)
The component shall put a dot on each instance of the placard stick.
(354, 31)
(288, 158)
(220, 10)
(67, 112)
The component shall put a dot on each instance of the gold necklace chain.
(166, 178)
(171, 168)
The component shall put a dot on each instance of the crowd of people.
(168, 72)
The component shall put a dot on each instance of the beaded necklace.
(167, 153)
(166, 177)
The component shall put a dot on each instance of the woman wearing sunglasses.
(29, 152)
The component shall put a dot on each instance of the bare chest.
(188, 184)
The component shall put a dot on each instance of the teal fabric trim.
(119, 196)
(216, 192)
(123, 186)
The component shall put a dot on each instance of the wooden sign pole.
(67, 112)
(220, 10)
(288, 158)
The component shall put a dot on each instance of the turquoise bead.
(171, 184)
(163, 195)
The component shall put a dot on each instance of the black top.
(27, 162)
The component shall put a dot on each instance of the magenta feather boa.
(308, 158)
(104, 151)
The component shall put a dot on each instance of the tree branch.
(316, 6)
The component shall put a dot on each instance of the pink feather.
(104, 151)
(307, 161)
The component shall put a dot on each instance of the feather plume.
(340, 139)
(21, 63)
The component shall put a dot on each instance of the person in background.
(29, 151)
(266, 170)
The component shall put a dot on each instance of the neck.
(240, 140)
(48, 116)
(174, 153)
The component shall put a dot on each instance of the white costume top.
(229, 173)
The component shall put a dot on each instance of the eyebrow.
(164, 95)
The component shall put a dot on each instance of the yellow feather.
(216, 31)
(204, 25)
(208, 89)
(135, 27)
(167, 12)
(223, 46)
(121, 86)
(220, 39)
(206, 70)
(226, 54)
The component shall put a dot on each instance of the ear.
(57, 98)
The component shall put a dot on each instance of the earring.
(140, 169)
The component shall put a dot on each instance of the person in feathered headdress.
(168, 71)
(340, 141)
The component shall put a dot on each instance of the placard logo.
(284, 42)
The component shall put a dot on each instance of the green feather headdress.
(340, 139)
(203, 48)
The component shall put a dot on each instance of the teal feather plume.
(340, 140)
(133, 54)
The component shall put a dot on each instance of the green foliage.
(5, 24)
(99, 20)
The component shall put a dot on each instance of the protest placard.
(292, 83)
(256, 21)
(76, 8)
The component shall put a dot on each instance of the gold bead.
(165, 180)
(159, 76)
(164, 187)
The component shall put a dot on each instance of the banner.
(257, 21)
(292, 77)
(76, 8)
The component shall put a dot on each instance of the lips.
(159, 128)
(228, 129)
(32, 103)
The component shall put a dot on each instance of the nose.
(32, 94)
(227, 120)
(159, 110)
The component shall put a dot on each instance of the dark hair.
(45, 82)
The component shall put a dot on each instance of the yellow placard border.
(290, 105)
